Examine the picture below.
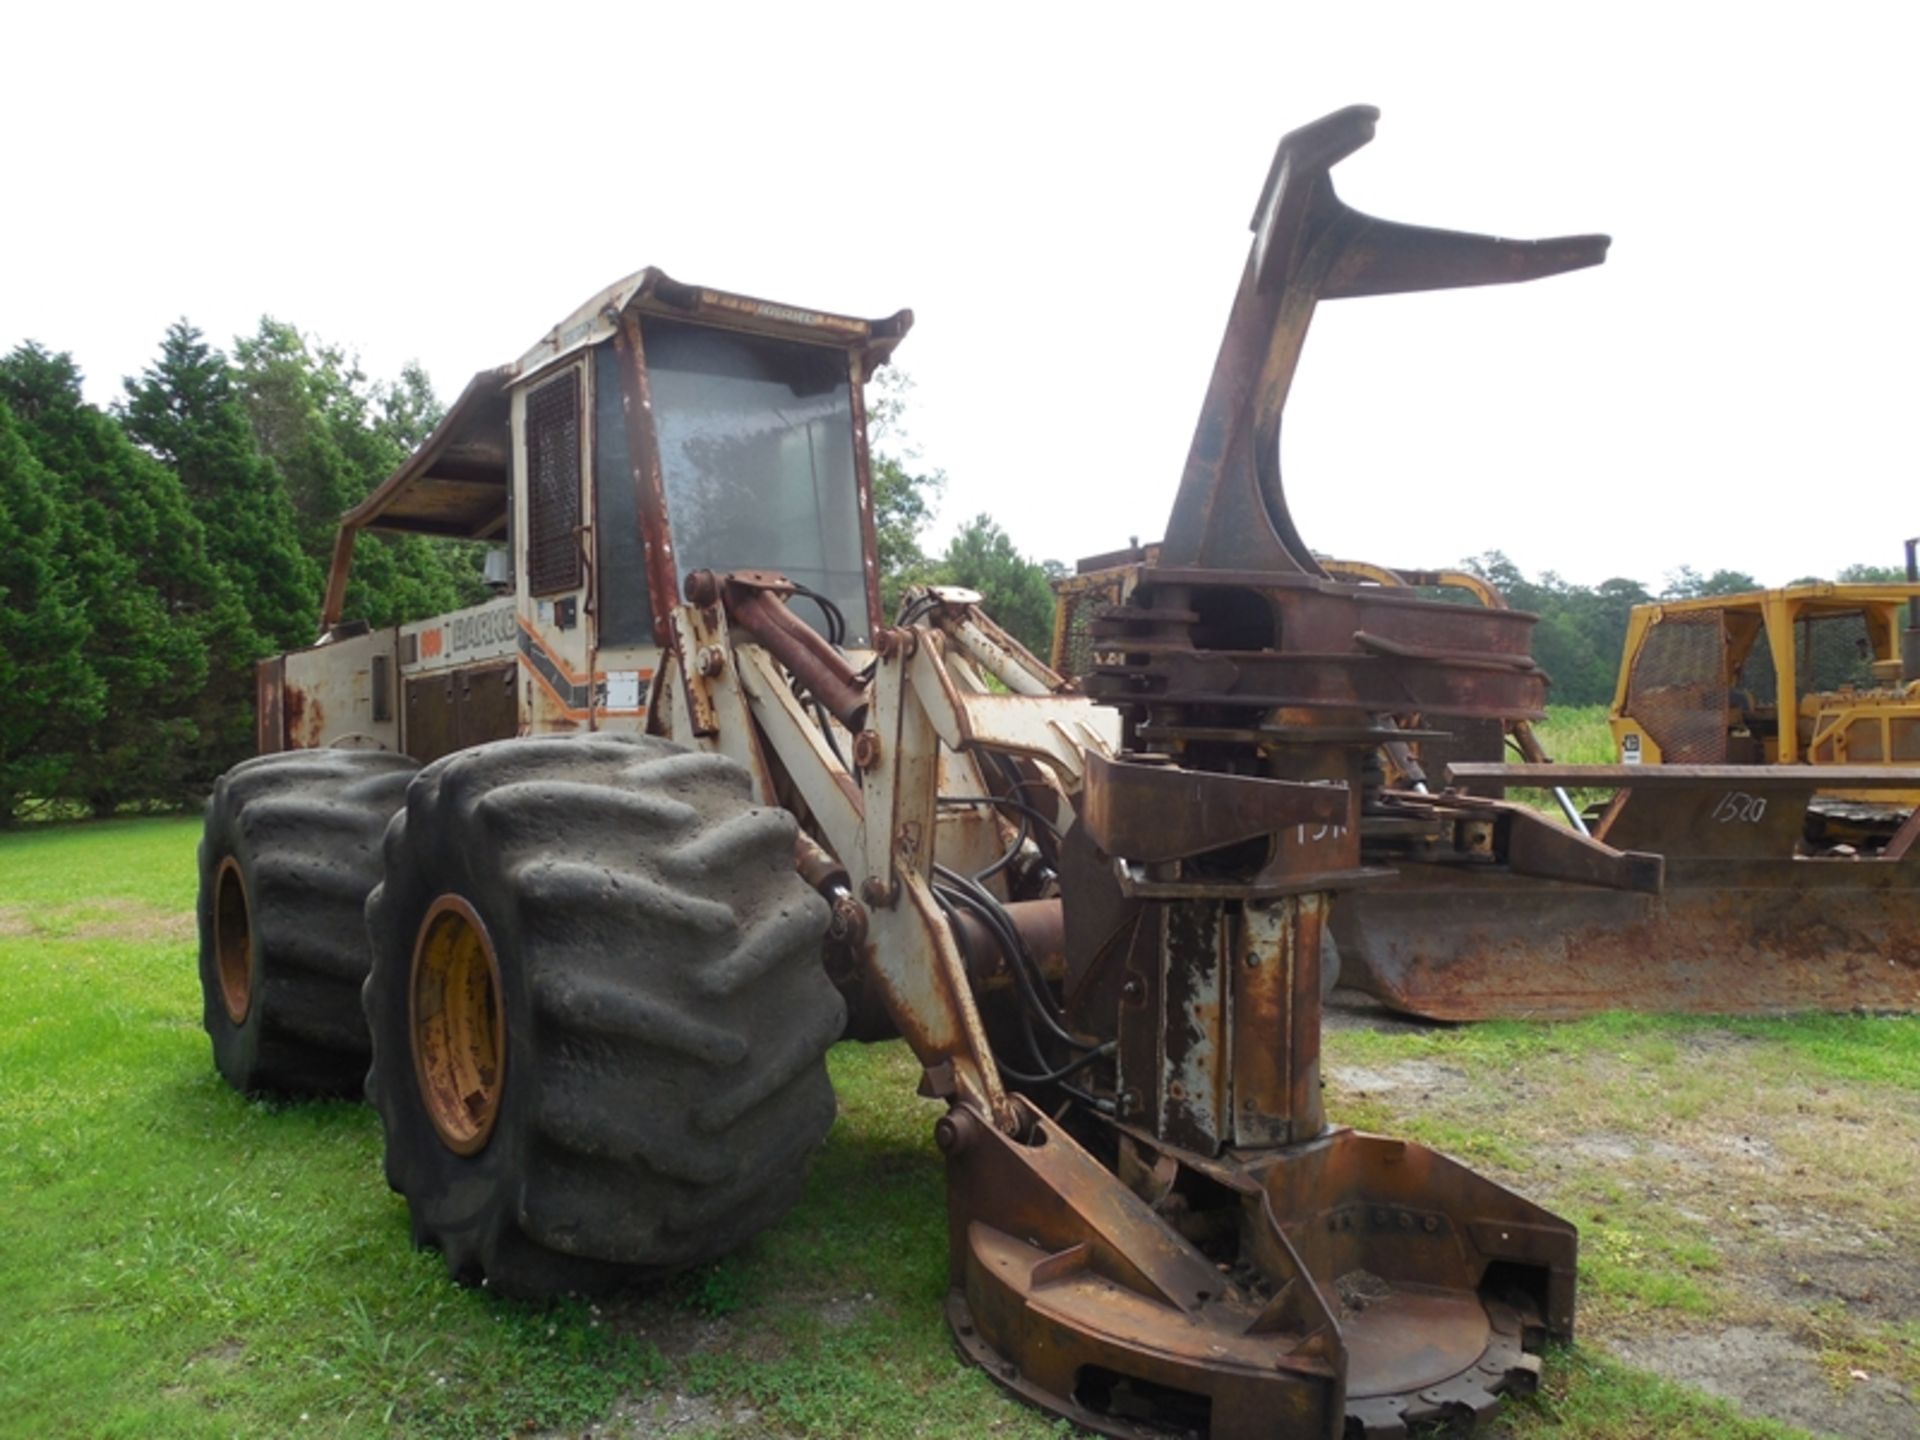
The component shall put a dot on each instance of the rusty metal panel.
(429, 720)
(553, 485)
(1677, 688)
(328, 693)
(455, 709)
(1163, 812)
(1777, 936)
(1275, 1034)
(1721, 821)
(486, 707)
(1192, 1081)
(1465, 740)
(1077, 601)
(269, 710)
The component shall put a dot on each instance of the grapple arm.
(1308, 245)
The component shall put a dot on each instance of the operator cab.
(659, 430)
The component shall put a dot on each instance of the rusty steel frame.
(1184, 1241)
(865, 343)
(1046, 1233)
(1696, 894)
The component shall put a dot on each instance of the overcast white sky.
(1061, 195)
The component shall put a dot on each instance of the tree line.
(1583, 629)
(1014, 589)
(153, 550)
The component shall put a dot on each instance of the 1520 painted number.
(1739, 808)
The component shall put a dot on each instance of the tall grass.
(1578, 735)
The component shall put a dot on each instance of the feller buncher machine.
(583, 883)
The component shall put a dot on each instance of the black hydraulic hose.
(1004, 802)
(1020, 961)
(1006, 858)
(988, 907)
(1098, 1103)
(836, 620)
(826, 731)
(945, 899)
(1054, 1077)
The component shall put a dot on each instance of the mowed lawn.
(177, 1261)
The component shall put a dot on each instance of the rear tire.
(290, 850)
(598, 1010)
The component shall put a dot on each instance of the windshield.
(756, 450)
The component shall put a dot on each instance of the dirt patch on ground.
(1352, 1010)
(1421, 1079)
(1879, 1284)
(838, 1314)
(1768, 1373)
(131, 920)
(1611, 1146)
(665, 1413)
(15, 922)
(675, 1334)
(1720, 1044)
(1750, 1220)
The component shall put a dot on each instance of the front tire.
(290, 850)
(598, 1011)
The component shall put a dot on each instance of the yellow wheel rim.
(458, 1032)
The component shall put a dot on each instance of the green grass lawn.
(177, 1261)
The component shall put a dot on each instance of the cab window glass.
(756, 452)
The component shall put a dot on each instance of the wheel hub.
(456, 1025)
(233, 940)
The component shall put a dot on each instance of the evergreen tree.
(49, 694)
(904, 493)
(1686, 583)
(408, 408)
(1864, 574)
(334, 438)
(184, 409)
(1013, 589)
(164, 619)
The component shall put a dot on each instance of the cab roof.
(1825, 597)
(456, 483)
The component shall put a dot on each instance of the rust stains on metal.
(303, 717)
(1346, 1285)
(649, 484)
(1724, 936)
(269, 712)
(1153, 812)
(1242, 1270)
(1041, 927)
(1276, 993)
(1231, 511)
(1738, 912)
(754, 602)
